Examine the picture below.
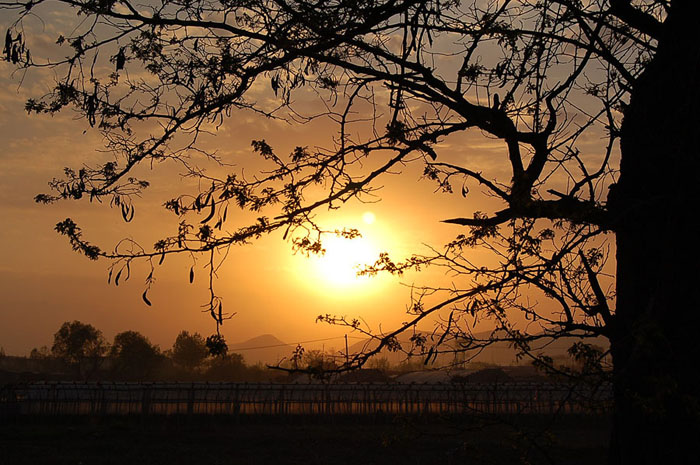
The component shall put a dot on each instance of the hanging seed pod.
(8, 45)
(120, 59)
(211, 211)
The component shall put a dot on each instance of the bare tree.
(538, 77)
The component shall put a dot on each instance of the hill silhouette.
(265, 349)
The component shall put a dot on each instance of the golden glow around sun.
(368, 217)
(334, 273)
(342, 260)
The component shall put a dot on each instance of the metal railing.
(116, 398)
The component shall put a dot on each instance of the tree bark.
(655, 337)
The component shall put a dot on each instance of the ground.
(212, 440)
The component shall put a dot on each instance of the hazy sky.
(43, 283)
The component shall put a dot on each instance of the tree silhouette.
(189, 350)
(40, 353)
(80, 346)
(227, 367)
(539, 79)
(133, 356)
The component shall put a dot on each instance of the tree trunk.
(655, 338)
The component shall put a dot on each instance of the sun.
(338, 267)
(334, 274)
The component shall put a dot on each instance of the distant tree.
(80, 346)
(229, 367)
(133, 356)
(410, 364)
(189, 350)
(318, 362)
(379, 363)
(40, 353)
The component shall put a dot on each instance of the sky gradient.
(44, 283)
(271, 289)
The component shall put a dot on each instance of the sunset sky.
(44, 283)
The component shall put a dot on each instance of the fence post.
(190, 399)
(146, 400)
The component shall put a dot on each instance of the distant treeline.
(80, 352)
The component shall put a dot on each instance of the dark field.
(210, 440)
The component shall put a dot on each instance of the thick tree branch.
(635, 18)
(569, 209)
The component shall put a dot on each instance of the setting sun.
(342, 260)
(369, 218)
(333, 274)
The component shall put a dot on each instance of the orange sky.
(43, 283)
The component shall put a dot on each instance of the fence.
(61, 398)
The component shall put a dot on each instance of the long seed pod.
(125, 212)
(211, 212)
(8, 45)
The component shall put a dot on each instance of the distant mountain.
(265, 349)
